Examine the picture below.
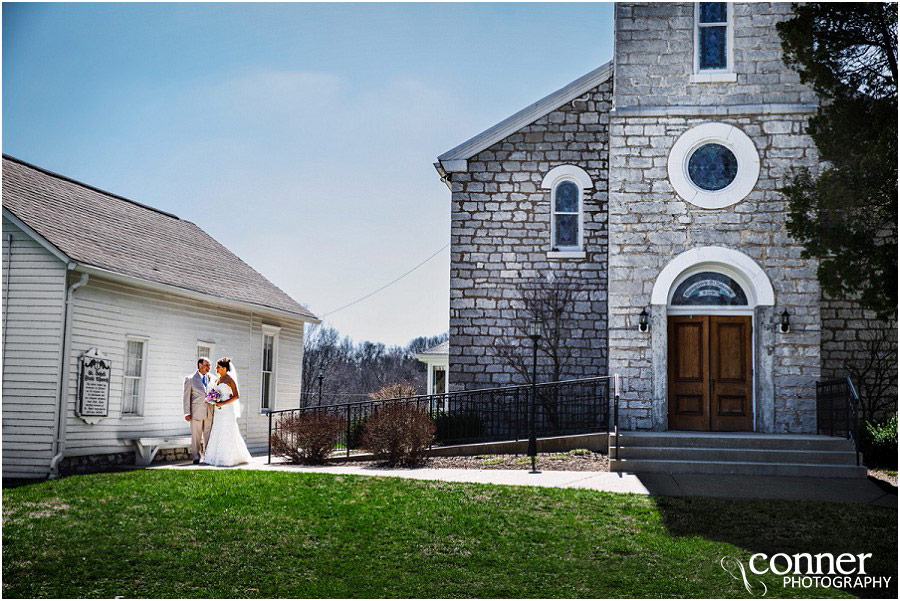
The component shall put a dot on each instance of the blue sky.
(300, 135)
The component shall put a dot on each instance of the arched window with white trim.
(566, 227)
(567, 184)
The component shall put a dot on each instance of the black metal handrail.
(567, 407)
(853, 409)
(615, 420)
(837, 410)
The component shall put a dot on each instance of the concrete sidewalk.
(841, 490)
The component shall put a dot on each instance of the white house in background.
(437, 358)
(107, 304)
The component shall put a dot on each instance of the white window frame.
(212, 349)
(583, 182)
(273, 331)
(715, 75)
(731, 138)
(139, 407)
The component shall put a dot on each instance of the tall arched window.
(567, 185)
(566, 216)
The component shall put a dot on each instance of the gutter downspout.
(62, 406)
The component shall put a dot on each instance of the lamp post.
(535, 331)
(321, 377)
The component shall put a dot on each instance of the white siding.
(33, 297)
(105, 313)
(288, 365)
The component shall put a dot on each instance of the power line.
(394, 281)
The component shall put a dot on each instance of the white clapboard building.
(107, 304)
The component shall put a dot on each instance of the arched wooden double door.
(710, 373)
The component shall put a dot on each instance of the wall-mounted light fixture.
(785, 326)
(644, 321)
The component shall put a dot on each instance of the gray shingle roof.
(439, 349)
(529, 114)
(102, 230)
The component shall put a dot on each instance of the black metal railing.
(837, 410)
(615, 423)
(568, 407)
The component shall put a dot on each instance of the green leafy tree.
(846, 215)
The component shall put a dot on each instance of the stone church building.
(650, 185)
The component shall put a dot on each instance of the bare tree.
(873, 370)
(353, 371)
(321, 349)
(549, 300)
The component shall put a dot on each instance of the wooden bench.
(147, 447)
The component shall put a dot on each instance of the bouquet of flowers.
(213, 396)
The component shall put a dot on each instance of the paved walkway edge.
(847, 490)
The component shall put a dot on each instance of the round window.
(712, 167)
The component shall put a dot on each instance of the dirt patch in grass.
(579, 460)
(28, 510)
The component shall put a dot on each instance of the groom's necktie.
(204, 380)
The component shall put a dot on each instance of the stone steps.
(737, 453)
(737, 440)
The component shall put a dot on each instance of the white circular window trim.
(728, 136)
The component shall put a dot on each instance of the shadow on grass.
(775, 526)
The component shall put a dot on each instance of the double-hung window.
(269, 355)
(567, 185)
(566, 216)
(135, 376)
(713, 35)
(206, 349)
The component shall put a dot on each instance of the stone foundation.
(87, 464)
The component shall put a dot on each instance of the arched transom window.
(709, 288)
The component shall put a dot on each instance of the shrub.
(453, 425)
(399, 434)
(398, 390)
(878, 442)
(307, 438)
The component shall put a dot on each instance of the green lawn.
(277, 534)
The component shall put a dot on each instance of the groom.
(196, 410)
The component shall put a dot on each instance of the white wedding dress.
(226, 446)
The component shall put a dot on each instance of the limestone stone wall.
(655, 102)
(500, 238)
(650, 225)
(664, 33)
(856, 343)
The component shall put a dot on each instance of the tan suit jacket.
(201, 413)
(194, 399)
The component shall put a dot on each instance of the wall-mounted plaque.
(93, 386)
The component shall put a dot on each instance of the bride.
(226, 447)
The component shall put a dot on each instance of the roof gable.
(455, 158)
(102, 230)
